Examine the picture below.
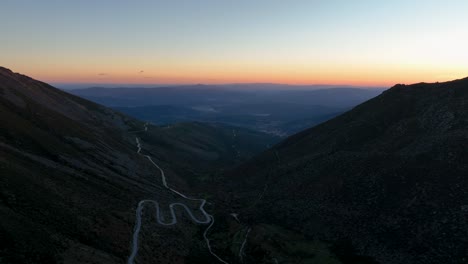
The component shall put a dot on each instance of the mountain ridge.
(388, 177)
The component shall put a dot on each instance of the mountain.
(265, 108)
(232, 86)
(72, 176)
(383, 183)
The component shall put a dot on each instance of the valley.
(209, 219)
(280, 111)
(82, 183)
(233, 132)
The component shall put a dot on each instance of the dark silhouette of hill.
(71, 178)
(383, 183)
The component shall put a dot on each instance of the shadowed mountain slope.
(387, 180)
(71, 177)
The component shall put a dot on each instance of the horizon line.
(162, 85)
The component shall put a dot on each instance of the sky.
(359, 42)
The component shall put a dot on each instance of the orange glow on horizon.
(115, 70)
(383, 77)
(360, 43)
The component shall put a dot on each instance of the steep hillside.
(71, 177)
(383, 183)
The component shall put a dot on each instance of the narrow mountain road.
(242, 248)
(207, 218)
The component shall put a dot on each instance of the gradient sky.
(359, 42)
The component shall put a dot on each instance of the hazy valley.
(278, 110)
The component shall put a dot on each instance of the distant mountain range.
(273, 109)
(205, 94)
(231, 86)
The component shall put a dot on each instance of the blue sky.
(357, 42)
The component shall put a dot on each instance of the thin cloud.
(141, 72)
(102, 74)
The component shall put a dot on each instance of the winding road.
(207, 218)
